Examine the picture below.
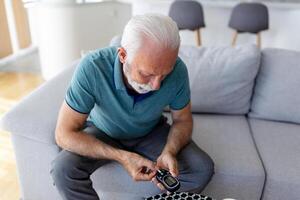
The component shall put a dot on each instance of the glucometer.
(167, 180)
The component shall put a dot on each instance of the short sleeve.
(80, 95)
(183, 94)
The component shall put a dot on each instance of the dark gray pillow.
(277, 90)
(221, 78)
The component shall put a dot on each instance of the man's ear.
(122, 54)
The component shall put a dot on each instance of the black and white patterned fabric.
(179, 195)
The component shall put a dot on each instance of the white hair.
(156, 27)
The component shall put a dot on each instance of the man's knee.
(200, 168)
(63, 168)
(203, 165)
(57, 169)
(202, 176)
(209, 165)
(196, 158)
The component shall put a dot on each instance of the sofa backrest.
(277, 90)
(222, 81)
(221, 78)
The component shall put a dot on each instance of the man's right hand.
(139, 168)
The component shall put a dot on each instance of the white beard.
(140, 88)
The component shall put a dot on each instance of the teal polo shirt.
(97, 88)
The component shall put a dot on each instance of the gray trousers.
(71, 172)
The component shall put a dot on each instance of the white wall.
(64, 30)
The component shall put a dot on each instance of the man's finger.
(174, 169)
(154, 180)
(158, 184)
(152, 174)
(149, 164)
(174, 172)
(143, 177)
(146, 170)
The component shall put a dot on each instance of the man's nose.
(155, 83)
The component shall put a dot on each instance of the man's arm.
(179, 135)
(69, 136)
(181, 130)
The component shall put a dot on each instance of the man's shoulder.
(178, 75)
(101, 59)
(108, 53)
(180, 70)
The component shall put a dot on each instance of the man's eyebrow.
(145, 72)
(150, 74)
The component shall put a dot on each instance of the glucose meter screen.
(170, 181)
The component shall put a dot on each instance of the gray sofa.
(246, 110)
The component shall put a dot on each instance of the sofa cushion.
(277, 91)
(278, 145)
(239, 173)
(221, 78)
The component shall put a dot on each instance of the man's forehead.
(155, 60)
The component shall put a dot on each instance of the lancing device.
(167, 180)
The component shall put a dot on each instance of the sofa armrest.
(36, 115)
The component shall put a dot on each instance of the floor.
(15, 83)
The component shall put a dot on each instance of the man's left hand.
(169, 162)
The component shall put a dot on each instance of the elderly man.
(113, 112)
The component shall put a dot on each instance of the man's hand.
(139, 168)
(166, 161)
